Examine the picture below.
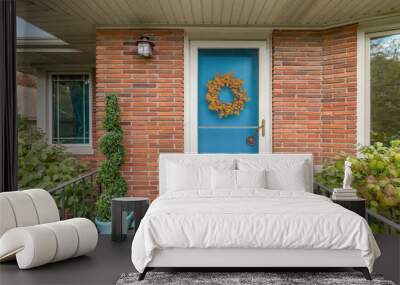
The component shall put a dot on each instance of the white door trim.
(191, 88)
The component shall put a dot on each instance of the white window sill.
(80, 150)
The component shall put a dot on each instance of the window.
(384, 61)
(70, 109)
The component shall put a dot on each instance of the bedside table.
(120, 207)
(355, 205)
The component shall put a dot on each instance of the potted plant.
(109, 170)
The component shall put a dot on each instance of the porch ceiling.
(75, 21)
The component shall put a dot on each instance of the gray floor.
(103, 266)
(110, 259)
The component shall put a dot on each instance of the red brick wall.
(314, 95)
(296, 92)
(150, 93)
(339, 93)
(314, 91)
(26, 80)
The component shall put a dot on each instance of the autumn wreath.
(235, 85)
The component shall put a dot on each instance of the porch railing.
(370, 213)
(76, 198)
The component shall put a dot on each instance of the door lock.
(262, 128)
(251, 140)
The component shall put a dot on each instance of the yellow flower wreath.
(226, 109)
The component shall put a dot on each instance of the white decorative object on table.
(347, 175)
(347, 192)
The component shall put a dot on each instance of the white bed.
(197, 222)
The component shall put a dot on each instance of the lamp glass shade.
(144, 49)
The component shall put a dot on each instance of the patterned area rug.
(243, 278)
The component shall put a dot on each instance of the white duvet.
(250, 219)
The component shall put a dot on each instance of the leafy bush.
(41, 165)
(376, 176)
(44, 166)
(384, 137)
(111, 146)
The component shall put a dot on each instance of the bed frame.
(242, 259)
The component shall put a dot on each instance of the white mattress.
(250, 219)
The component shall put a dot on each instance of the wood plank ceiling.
(75, 21)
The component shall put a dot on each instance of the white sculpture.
(347, 175)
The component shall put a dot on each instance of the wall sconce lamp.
(145, 46)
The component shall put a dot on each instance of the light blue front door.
(235, 133)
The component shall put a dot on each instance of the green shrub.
(46, 166)
(109, 170)
(41, 165)
(376, 176)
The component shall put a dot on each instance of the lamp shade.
(144, 47)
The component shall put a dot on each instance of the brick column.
(150, 92)
(314, 91)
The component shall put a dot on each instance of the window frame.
(364, 81)
(73, 148)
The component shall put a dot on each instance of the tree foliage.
(385, 89)
(376, 176)
(109, 170)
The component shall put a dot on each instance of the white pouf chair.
(31, 230)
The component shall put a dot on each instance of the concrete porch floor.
(110, 259)
(103, 266)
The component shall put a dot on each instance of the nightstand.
(120, 207)
(356, 205)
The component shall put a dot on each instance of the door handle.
(262, 128)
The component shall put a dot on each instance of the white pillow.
(282, 173)
(251, 178)
(223, 179)
(293, 180)
(188, 177)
